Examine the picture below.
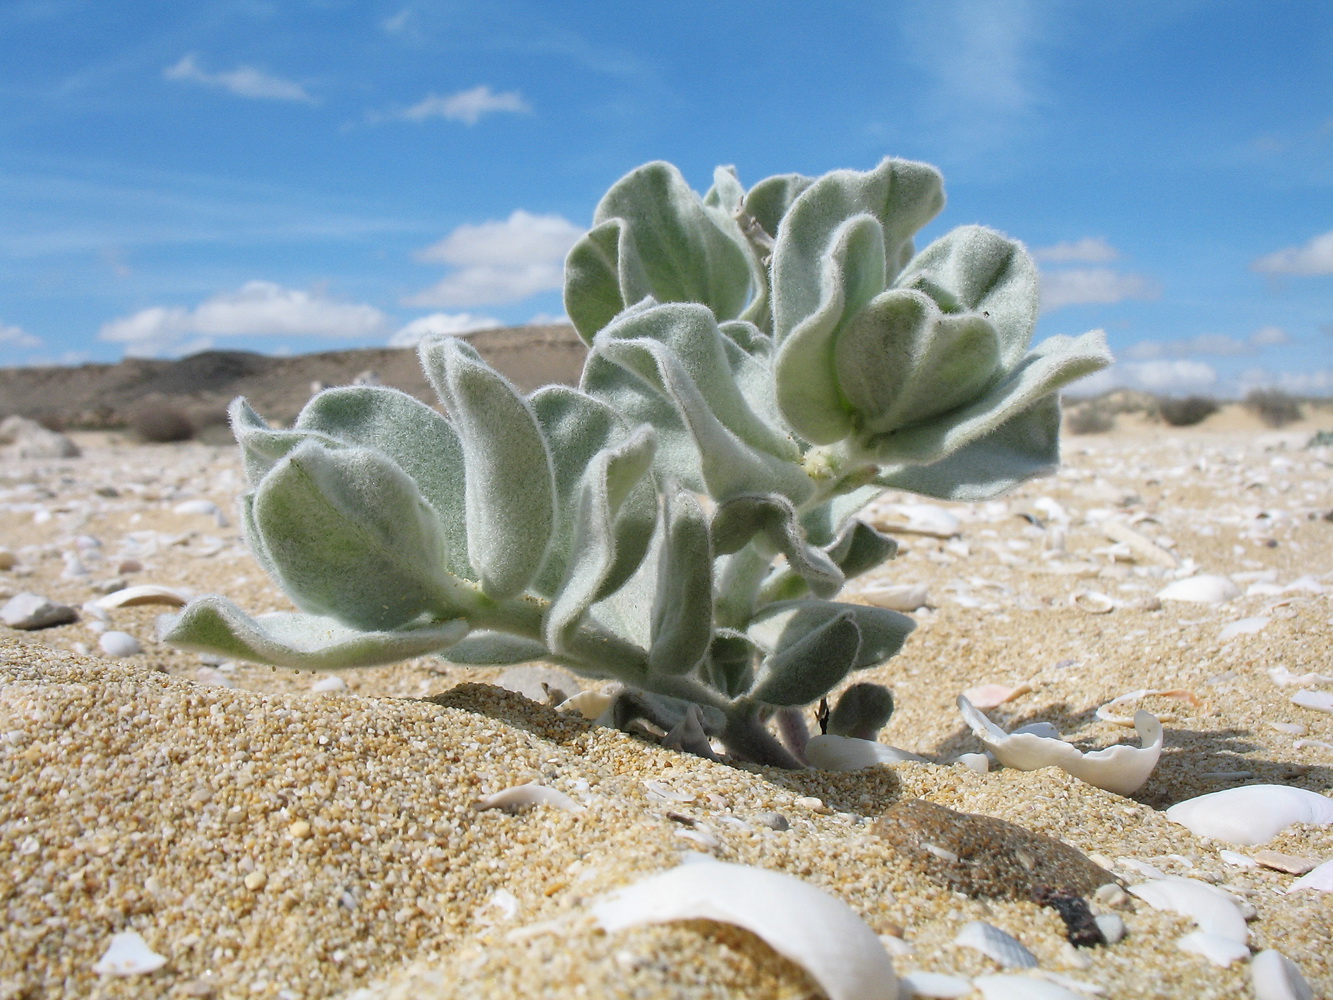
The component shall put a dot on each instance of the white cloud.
(1158, 377)
(243, 81)
(14, 336)
(497, 262)
(1217, 344)
(1100, 285)
(257, 308)
(446, 323)
(467, 106)
(1089, 250)
(1315, 257)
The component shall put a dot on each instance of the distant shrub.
(1273, 406)
(161, 423)
(1187, 411)
(1090, 418)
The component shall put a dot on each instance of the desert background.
(284, 834)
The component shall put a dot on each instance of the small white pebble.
(115, 643)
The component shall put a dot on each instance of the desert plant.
(1092, 417)
(761, 365)
(161, 423)
(1273, 406)
(1186, 411)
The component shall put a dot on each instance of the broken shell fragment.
(996, 944)
(847, 753)
(1251, 814)
(898, 597)
(1140, 545)
(1276, 977)
(529, 794)
(1213, 910)
(144, 593)
(1106, 715)
(1205, 589)
(128, 955)
(1121, 769)
(814, 929)
(1321, 879)
(993, 695)
(1011, 987)
(917, 519)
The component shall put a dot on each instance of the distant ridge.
(202, 385)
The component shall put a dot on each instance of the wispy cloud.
(466, 106)
(257, 308)
(1093, 285)
(1088, 250)
(446, 323)
(1215, 344)
(497, 262)
(243, 81)
(15, 336)
(1314, 257)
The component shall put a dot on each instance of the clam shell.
(128, 955)
(1251, 814)
(1320, 701)
(529, 794)
(1219, 950)
(1093, 602)
(814, 929)
(846, 753)
(996, 944)
(1276, 977)
(1321, 879)
(1203, 589)
(1121, 769)
(144, 593)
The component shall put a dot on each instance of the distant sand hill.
(96, 396)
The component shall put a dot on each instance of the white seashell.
(128, 955)
(1245, 626)
(814, 929)
(918, 519)
(1093, 602)
(529, 794)
(1251, 814)
(1320, 879)
(1212, 909)
(589, 704)
(1106, 715)
(1112, 926)
(1237, 860)
(1290, 863)
(144, 593)
(1221, 951)
(1320, 701)
(996, 944)
(205, 507)
(1203, 589)
(1021, 988)
(934, 984)
(992, 695)
(327, 685)
(1283, 676)
(899, 597)
(1121, 769)
(978, 762)
(1276, 977)
(665, 793)
(846, 753)
(1143, 547)
(119, 644)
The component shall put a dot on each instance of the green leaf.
(769, 200)
(974, 269)
(593, 293)
(262, 447)
(494, 649)
(682, 623)
(860, 548)
(739, 519)
(418, 440)
(213, 624)
(730, 663)
(348, 536)
(679, 253)
(779, 625)
(812, 655)
(902, 362)
(851, 271)
(1051, 365)
(508, 480)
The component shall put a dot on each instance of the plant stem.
(747, 737)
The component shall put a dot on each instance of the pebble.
(33, 611)
(119, 644)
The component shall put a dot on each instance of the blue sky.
(312, 175)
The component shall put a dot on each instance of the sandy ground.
(270, 840)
